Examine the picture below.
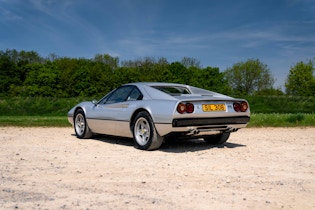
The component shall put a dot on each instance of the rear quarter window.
(173, 90)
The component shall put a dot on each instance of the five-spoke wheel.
(144, 132)
(81, 128)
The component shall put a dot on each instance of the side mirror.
(94, 102)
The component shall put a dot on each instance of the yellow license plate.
(213, 107)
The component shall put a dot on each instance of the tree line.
(26, 73)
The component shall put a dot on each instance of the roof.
(156, 83)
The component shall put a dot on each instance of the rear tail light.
(240, 106)
(181, 108)
(244, 106)
(237, 107)
(190, 108)
(185, 108)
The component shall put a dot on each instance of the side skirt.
(110, 127)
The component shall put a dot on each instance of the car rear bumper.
(210, 121)
(203, 126)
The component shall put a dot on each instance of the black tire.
(218, 138)
(144, 133)
(81, 128)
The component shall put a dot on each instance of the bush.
(37, 106)
(51, 106)
(281, 104)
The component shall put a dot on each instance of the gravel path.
(259, 168)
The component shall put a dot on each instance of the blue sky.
(218, 33)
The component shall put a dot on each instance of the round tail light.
(237, 107)
(240, 107)
(190, 108)
(244, 106)
(181, 108)
(185, 108)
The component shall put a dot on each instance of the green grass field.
(282, 111)
(281, 120)
(34, 121)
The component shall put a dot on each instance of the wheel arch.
(143, 129)
(82, 129)
(135, 113)
(76, 109)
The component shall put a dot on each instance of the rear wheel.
(144, 133)
(218, 138)
(81, 128)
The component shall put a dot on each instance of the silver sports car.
(149, 112)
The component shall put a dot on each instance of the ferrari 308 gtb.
(150, 112)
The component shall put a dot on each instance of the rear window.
(173, 90)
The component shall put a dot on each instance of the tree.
(106, 59)
(42, 80)
(8, 73)
(177, 73)
(246, 78)
(190, 62)
(12, 68)
(147, 69)
(211, 79)
(270, 92)
(301, 79)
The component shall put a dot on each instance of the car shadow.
(193, 145)
(114, 140)
(172, 146)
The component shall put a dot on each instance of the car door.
(110, 113)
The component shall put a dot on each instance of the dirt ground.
(259, 168)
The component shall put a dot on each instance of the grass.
(34, 121)
(282, 120)
(276, 111)
(257, 120)
(281, 104)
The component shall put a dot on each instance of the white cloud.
(7, 12)
(51, 7)
(7, 15)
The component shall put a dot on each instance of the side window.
(119, 95)
(135, 95)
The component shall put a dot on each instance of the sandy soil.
(259, 168)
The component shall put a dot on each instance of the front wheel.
(144, 133)
(218, 138)
(81, 128)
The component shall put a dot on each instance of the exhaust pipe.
(209, 131)
(196, 132)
